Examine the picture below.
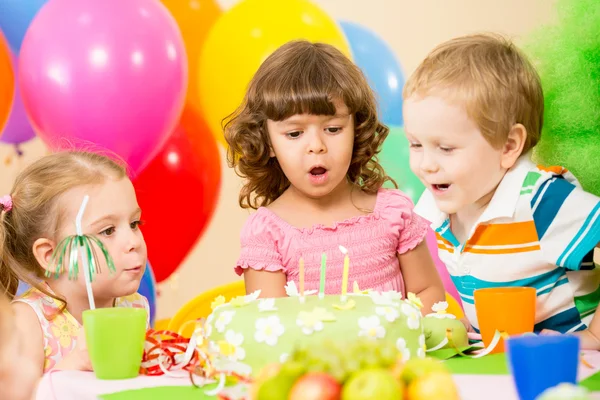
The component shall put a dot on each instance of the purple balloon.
(108, 72)
(18, 129)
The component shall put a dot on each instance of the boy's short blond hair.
(492, 78)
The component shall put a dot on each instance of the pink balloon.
(109, 72)
(441, 267)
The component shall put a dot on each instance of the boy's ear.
(513, 148)
(42, 250)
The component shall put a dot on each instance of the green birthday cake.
(256, 332)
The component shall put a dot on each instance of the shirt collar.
(503, 203)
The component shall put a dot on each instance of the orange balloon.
(7, 83)
(195, 18)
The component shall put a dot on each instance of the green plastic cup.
(115, 341)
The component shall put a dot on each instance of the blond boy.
(473, 113)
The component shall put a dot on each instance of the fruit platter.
(360, 370)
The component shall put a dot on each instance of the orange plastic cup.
(506, 309)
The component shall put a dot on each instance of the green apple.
(372, 384)
(292, 369)
(418, 367)
(275, 388)
(435, 332)
(265, 373)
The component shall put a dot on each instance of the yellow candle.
(345, 272)
(301, 277)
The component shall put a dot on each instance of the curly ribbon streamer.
(169, 353)
(449, 340)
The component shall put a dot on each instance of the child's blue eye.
(294, 135)
(334, 129)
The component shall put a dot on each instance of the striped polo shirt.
(539, 230)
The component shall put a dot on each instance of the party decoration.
(169, 353)
(18, 129)
(148, 290)
(378, 62)
(15, 18)
(111, 73)
(79, 248)
(7, 83)
(195, 18)
(227, 4)
(178, 193)
(22, 288)
(241, 40)
(394, 158)
(567, 57)
(292, 291)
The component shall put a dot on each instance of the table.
(76, 385)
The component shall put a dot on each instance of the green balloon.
(394, 158)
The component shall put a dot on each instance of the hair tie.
(6, 203)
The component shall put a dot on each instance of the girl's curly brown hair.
(302, 78)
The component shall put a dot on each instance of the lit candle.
(345, 273)
(301, 267)
(323, 267)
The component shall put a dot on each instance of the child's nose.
(134, 242)
(317, 144)
(428, 163)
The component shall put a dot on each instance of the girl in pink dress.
(305, 139)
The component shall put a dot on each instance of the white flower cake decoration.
(268, 330)
(292, 290)
(370, 327)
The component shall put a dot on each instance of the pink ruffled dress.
(373, 241)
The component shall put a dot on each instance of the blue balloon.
(22, 285)
(15, 18)
(377, 61)
(148, 289)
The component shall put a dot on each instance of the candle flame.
(343, 249)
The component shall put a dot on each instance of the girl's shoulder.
(44, 305)
(263, 221)
(391, 202)
(134, 300)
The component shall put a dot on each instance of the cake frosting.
(259, 331)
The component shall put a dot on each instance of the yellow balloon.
(243, 38)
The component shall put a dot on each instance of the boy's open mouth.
(441, 186)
